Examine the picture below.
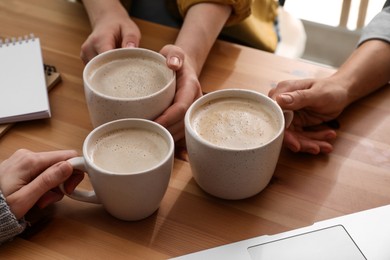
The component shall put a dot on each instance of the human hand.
(28, 178)
(111, 30)
(314, 102)
(187, 90)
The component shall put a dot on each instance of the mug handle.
(288, 118)
(78, 163)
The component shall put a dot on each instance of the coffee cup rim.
(106, 53)
(123, 124)
(231, 92)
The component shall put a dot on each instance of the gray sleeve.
(9, 225)
(378, 28)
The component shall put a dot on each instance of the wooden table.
(305, 188)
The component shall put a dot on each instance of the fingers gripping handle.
(78, 163)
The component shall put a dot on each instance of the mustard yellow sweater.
(251, 21)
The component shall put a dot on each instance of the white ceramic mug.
(129, 163)
(234, 138)
(128, 83)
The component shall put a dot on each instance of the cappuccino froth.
(130, 77)
(235, 123)
(129, 150)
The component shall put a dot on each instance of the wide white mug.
(129, 163)
(234, 138)
(128, 83)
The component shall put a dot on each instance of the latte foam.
(129, 150)
(235, 123)
(130, 77)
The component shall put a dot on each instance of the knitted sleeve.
(241, 8)
(9, 225)
(379, 27)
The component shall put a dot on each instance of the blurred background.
(332, 27)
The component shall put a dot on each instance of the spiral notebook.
(52, 78)
(23, 92)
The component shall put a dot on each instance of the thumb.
(130, 39)
(297, 99)
(24, 199)
(292, 94)
(129, 43)
(174, 56)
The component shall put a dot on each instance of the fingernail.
(293, 148)
(130, 45)
(313, 151)
(327, 150)
(174, 61)
(330, 136)
(288, 99)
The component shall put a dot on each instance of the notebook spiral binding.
(13, 41)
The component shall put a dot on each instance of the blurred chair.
(292, 35)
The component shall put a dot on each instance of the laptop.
(358, 236)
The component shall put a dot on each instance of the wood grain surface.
(304, 189)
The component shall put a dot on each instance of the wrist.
(348, 88)
(9, 225)
(105, 11)
(330, 95)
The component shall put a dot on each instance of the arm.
(111, 28)
(366, 70)
(202, 25)
(240, 9)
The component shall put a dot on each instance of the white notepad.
(23, 92)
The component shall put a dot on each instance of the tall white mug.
(128, 83)
(234, 138)
(129, 163)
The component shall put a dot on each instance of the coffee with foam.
(129, 150)
(235, 123)
(128, 83)
(132, 77)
